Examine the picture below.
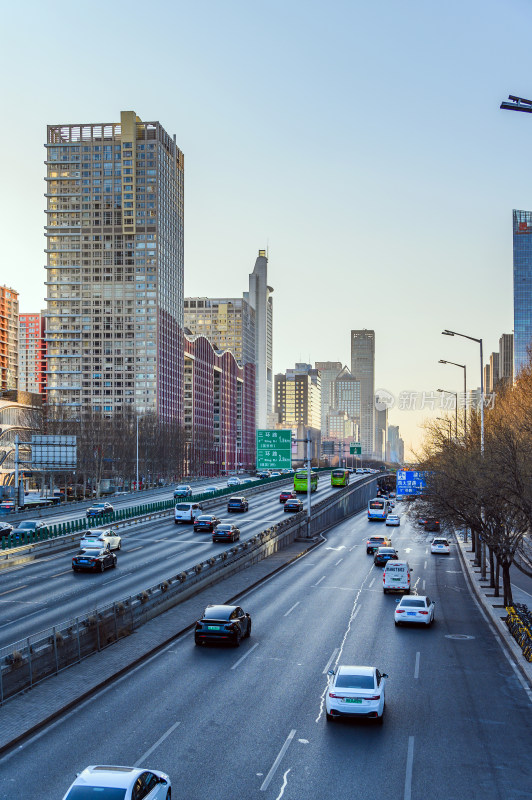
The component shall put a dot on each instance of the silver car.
(103, 538)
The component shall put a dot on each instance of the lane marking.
(134, 548)
(117, 578)
(66, 572)
(425, 565)
(521, 590)
(320, 580)
(409, 764)
(240, 660)
(39, 611)
(423, 585)
(291, 609)
(16, 589)
(157, 743)
(329, 662)
(271, 773)
(416, 668)
(339, 560)
(372, 582)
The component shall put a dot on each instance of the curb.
(106, 682)
(508, 643)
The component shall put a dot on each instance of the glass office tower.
(522, 242)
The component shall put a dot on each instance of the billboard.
(274, 449)
(410, 482)
(53, 452)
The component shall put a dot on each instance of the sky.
(361, 143)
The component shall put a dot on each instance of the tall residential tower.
(522, 247)
(114, 232)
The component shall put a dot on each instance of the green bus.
(340, 477)
(300, 481)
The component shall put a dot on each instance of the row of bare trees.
(107, 448)
(489, 492)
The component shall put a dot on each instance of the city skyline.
(412, 197)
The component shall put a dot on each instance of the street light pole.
(445, 391)
(449, 423)
(462, 366)
(479, 342)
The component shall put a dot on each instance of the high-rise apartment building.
(8, 338)
(328, 372)
(494, 372)
(298, 397)
(114, 328)
(31, 361)
(228, 323)
(506, 358)
(381, 430)
(522, 257)
(259, 298)
(363, 369)
(395, 446)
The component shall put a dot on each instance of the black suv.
(237, 504)
(432, 525)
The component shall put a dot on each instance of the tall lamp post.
(462, 366)
(479, 342)
(445, 391)
(449, 423)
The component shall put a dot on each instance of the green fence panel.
(3, 542)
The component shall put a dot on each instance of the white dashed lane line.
(291, 609)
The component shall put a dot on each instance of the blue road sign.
(410, 482)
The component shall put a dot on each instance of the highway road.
(249, 722)
(45, 592)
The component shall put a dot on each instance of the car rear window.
(440, 541)
(355, 682)
(385, 550)
(182, 507)
(95, 793)
(223, 527)
(408, 602)
(218, 612)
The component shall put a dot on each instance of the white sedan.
(233, 482)
(355, 692)
(393, 520)
(101, 538)
(120, 782)
(417, 609)
(440, 545)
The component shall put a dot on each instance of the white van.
(396, 577)
(187, 512)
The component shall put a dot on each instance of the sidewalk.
(29, 712)
(494, 609)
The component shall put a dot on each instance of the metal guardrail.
(30, 660)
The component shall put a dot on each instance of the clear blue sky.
(362, 143)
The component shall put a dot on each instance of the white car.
(393, 520)
(417, 609)
(275, 475)
(209, 490)
(103, 538)
(187, 512)
(440, 545)
(233, 482)
(355, 692)
(127, 783)
(183, 490)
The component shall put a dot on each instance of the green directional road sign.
(355, 449)
(274, 449)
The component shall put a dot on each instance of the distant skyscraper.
(32, 363)
(494, 372)
(298, 397)
(346, 394)
(393, 447)
(381, 429)
(259, 297)
(328, 372)
(522, 248)
(506, 358)
(114, 325)
(363, 369)
(8, 338)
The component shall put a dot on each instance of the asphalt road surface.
(46, 592)
(250, 722)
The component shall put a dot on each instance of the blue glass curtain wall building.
(522, 257)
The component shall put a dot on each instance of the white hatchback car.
(440, 545)
(355, 692)
(418, 609)
(101, 538)
(120, 782)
